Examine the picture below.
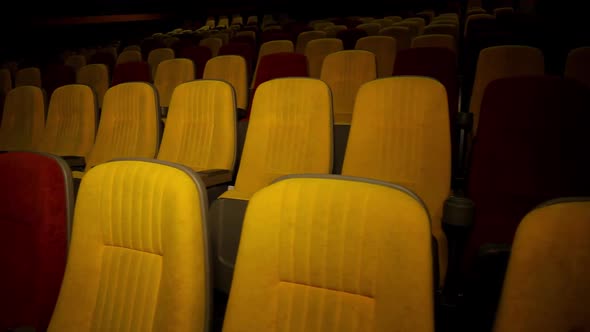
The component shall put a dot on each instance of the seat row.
(315, 250)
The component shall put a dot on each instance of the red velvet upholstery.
(33, 232)
(57, 75)
(531, 146)
(132, 72)
(438, 63)
(278, 65)
(199, 54)
(245, 50)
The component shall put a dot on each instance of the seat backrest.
(199, 55)
(545, 288)
(76, 61)
(36, 205)
(421, 23)
(442, 29)
(158, 55)
(28, 76)
(171, 73)
(438, 63)
(270, 47)
(278, 65)
(372, 29)
(530, 148)
(305, 37)
(345, 72)
(55, 75)
(129, 124)
(413, 26)
(384, 48)
(129, 56)
(350, 36)
(499, 62)
(400, 134)
(138, 255)
(232, 69)
(23, 118)
(446, 41)
(201, 126)
(316, 50)
(95, 76)
(290, 131)
(131, 72)
(214, 44)
(71, 122)
(401, 35)
(333, 253)
(577, 65)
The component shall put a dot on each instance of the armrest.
(457, 219)
(458, 212)
(76, 163)
(464, 121)
(213, 177)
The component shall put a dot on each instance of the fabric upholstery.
(399, 134)
(332, 255)
(33, 238)
(546, 285)
(137, 260)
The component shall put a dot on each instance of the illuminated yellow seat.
(23, 118)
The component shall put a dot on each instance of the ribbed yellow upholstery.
(434, 40)
(214, 44)
(76, 61)
(577, 65)
(129, 56)
(546, 285)
(500, 62)
(171, 73)
(401, 34)
(97, 77)
(345, 72)
(290, 132)
(137, 260)
(333, 254)
(384, 48)
(71, 121)
(129, 124)
(158, 55)
(270, 47)
(316, 50)
(28, 76)
(400, 134)
(305, 37)
(23, 118)
(232, 69)
(201, 126)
